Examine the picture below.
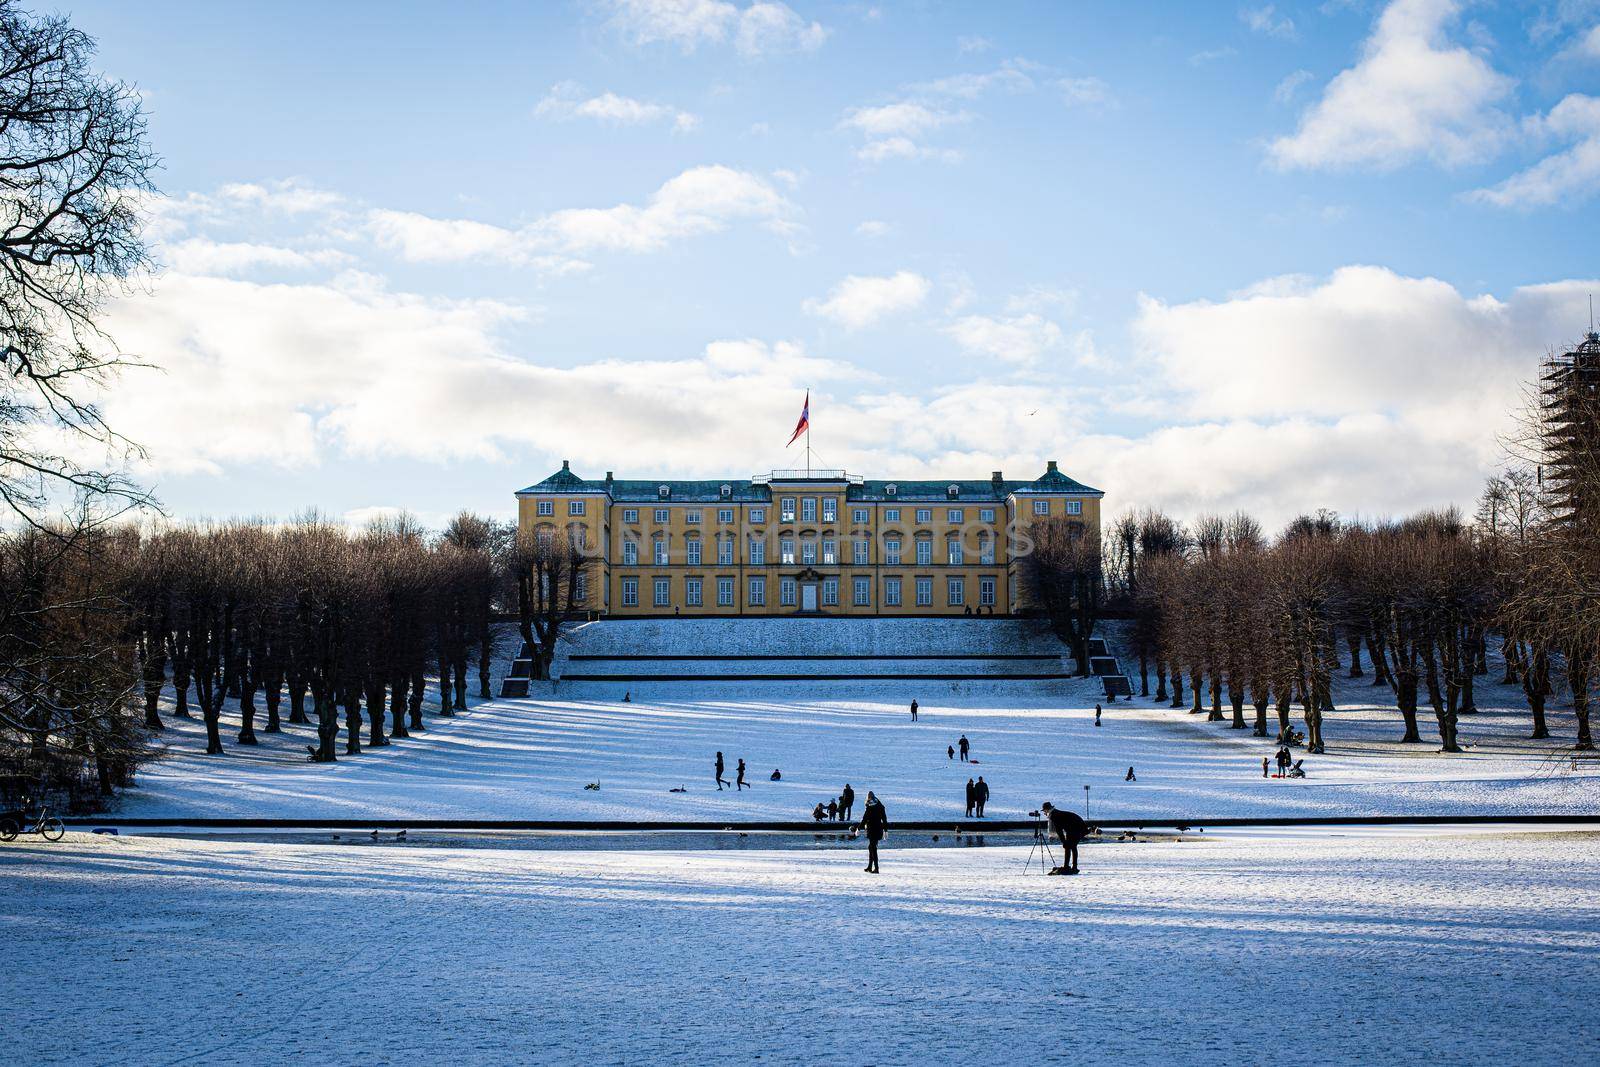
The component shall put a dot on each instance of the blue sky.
(1207, 256)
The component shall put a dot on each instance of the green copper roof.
(743, 490)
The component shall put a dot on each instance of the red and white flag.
(805, 420)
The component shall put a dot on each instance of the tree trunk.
(375, 710)
(1261, 716)
(1354, 641)
(297, 701)
(1161, 680)
(1578, 677)
(327, 712)
(1176, 674)
(414, 701)
(485, 660)
(273, 692)
(1144, 673)
(352, 721)
(461, 685)
(1194, 687)
(1236, 696)
(397, 706)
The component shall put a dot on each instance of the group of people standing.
(1288, 766)
(839, 807)
(977, 797)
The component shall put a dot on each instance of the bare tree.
(546, 568)
(1065, 579)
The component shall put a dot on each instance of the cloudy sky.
(1274, 256)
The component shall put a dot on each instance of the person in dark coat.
(1097, 714)
(721, 781)
(847, 802)
(913, 709)
(1131, 776)
(1264, 773)
(819, 812)
(1069, 829)
(950, 752)
(964, 746)
(980, 796)
(739, 777)
(972, 797)
(874, 820)
(833, 810)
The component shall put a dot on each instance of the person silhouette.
(980, 793)
(964, 746)
(847, 802)
(1097, 714)
(739, 777)
(913, 709)
(1131, 776)
(721, 781)
(1069, 829)
(875, 821)
(972, 797)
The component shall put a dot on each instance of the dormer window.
(664, 491)
(889, 489)
(954, 491)
(727, 491)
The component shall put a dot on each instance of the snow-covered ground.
(530, 759)
(1311, 948)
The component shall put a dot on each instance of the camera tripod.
(1041, 848)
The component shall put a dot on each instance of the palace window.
(955, 516)
(956, 591)
(808, 509)
(758, 515)
(574, 507)
(891, 592)
(692, 516)
(630, 514)
(830, 552)
(830, 592)
(954, 549)
(663, 592)
(630, 553)
(726, 491)
(664, 491)
(986, 592)
(547, 507)
(785, 550)
(924, 592)
(830, 509)
(693, 547)
(924, 514)
(725, 592)
(661, 516)
(758, 592)
(758, 552)
(725, 552)
(808, 551)
(630, 592)
(725, 516)
(580, 588)
(924, 552)
(858, 553)
(891, 514)
(863, 592)
(985, 548)
(1041, 507)
(986, 515)
(953, 491)
(786, 509)
(891, 552)
(691, 592)
(1074, 507)
(660, 552)
(889, 490)
(786, 592)
(860, 516)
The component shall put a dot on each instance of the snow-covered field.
(1308, 948)
(530, 759)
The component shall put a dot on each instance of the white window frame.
(986, 592)
(808, 552)
(891, 552)
(924, 514)
(630, 553)
(575, 507)
(758, 592)
(986, 514)
(663, 516)
(692, 516)
(862, 596)
(660, 551)
(786, 509)
(580, 588)
(830, 552)
(1074, 507)
(861, 516)
(547, 507)
(955, 592)
(724, 592)
(954, 554)
(830, 592)
(758, 515)
(924, 551)
(692, 551)
(1041, 507)
(691, 592)
(630, 592)
(758, 552)
(724, 551)
(663, 592)
(956, 516)
(830, 509)
(891, 514)
(630, 514)
(725, 516)
(808, 509)
(788, 592)
(859, 552)
(986, 548)
(924, 592)
(786, 551)
(891, 592)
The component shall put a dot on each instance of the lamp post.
(1085, 803)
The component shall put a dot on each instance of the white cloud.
(1589, 44)
(906, 118)
(757, 29)
(969, 45)
(566, 101)
(1290, 85)
(1014, 339)
(701, 200)
(1567, 176)
(873, 228)
(1212, 55)
(1414, 94)
(1084, 91)
(1267, 20)
(201, 255)
(905, 148)
(861, 300)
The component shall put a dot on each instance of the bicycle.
(46, 826)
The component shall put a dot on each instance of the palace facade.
(802, 542)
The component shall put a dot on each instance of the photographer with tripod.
(1069, 829)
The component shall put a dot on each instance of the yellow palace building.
(802, 542)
